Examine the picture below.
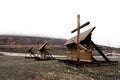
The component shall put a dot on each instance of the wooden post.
(78, 37)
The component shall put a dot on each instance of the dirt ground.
(19, 68)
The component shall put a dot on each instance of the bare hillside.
(28, 40)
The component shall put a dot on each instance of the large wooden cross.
(78, 36)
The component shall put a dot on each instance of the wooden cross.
(78, 36)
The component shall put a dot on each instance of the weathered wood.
(80, 27)
(102, 54)
(32, 54)
(45, 54)
(78, 37)
(42, 46)
(80, 51)
(80, 46)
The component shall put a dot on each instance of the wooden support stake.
(78, 37)
(103, 55)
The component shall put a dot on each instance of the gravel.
(19, 68)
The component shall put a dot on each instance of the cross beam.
(82, 26)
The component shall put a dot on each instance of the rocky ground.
(19, 68)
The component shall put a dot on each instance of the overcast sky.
(56, 18)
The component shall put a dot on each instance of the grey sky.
(56, 18)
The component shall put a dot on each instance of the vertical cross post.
(78, 37)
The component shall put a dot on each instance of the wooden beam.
(102, 54)
(78, 37)
(85, 24)
(80, 46)
(83, 47)
(43, 46)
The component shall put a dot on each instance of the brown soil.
(19, 68)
